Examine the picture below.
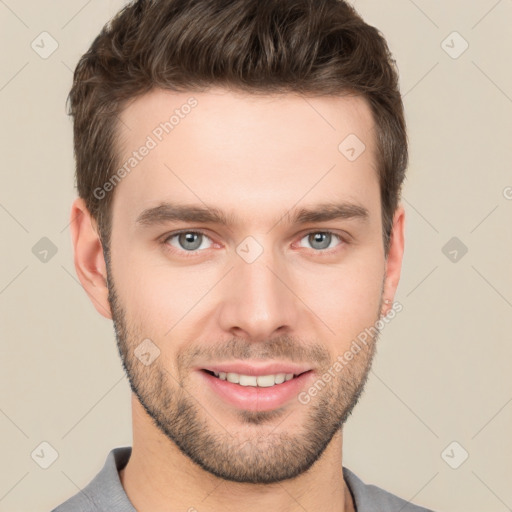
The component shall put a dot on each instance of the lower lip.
(253, 398)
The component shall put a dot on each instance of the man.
(239, 167)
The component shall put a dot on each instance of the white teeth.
(262, 381)
(233, 377)
(280, 377)
(248, 380)
(265, 381)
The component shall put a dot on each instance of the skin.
(257, 158)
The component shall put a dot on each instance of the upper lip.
(247, 368)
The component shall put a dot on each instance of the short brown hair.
(311, 47)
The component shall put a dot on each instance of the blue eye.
(188, 241)
(321, 240)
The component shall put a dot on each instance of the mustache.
(279, 348)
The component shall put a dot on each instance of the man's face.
(265, 288)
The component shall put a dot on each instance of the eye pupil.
(324, 239)
(190, 241)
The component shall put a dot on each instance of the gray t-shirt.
(106, 494)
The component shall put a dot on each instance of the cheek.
(346, 296)
(163, 300)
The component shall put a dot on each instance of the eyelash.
(192, 254)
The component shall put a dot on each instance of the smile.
(262, 381)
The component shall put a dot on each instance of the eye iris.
(185, 239)
(323, 238)
(191, 241)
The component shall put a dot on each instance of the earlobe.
(393, 264)
(88, 257)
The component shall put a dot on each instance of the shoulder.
(105, 491)
(370, 498)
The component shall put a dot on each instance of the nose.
(258, 302)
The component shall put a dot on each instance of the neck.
(159, 477)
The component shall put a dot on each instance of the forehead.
(245, 153)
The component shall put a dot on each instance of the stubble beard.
(256, 451)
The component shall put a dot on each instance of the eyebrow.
(168, 212)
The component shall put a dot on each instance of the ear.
(88, 257)
(393, 265)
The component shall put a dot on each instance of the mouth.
(260, 381)
(256, 390)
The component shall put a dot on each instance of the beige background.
(442, 372)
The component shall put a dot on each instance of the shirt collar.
(108, 484)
